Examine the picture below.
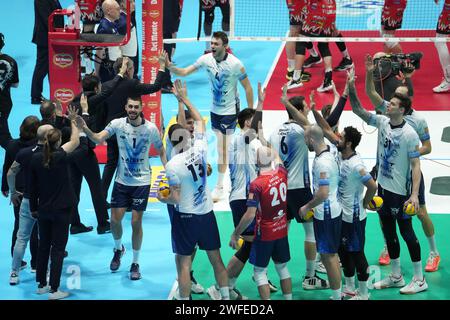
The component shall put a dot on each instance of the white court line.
(173, 290)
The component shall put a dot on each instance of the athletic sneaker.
(115, 262)
(214, 293)
(195, 286)
(390, 282)
(310, 61)
(305, 77)
(359, 296)
(272, 287)
(135, 274)
(13, 278)
(294, 84)
(326, 85)
(42, 289)
(320, 268)
(57, 295)
(415, 286)
(235, 294)
(384, 258)
(433, 262)
(218, 194)
(349, 291)
(443, 87)
(346, 63)
(314, 283)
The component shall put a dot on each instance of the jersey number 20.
(280, 191)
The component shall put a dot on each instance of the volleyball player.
(391, 20)
(208, 7)
(267, 204)
(443, 30)
(193, 220)
(288, 140)
(399, 167)
(420, 126)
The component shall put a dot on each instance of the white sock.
(118, 244)
(287, 296)
(345, 54)
(432, 243)
(220, 181)
(444, 57)
(232, 282)
(350, 282)
(418, 274)
(328, 70)
(225, 293)
(136, 256)
(362, 288)
(310, 268)
(336, 294)
(396, 269)
(291, 64)
(297, 74)
(313, 52)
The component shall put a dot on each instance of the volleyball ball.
(409, 209)
(164, 189)
(376, 203)
(309, 215)
(239, 243)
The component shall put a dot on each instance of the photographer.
(393, 71)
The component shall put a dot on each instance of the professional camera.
(392, 64)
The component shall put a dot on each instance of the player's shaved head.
(265, 156)
(313, 137)
(316, 133)
(42, 132)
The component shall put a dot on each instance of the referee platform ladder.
(441, 185)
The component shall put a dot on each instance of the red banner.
(152, 35)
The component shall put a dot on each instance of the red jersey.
(297, 11)
(443, 25)
(392, 15)
(321, 18)
(269, 190)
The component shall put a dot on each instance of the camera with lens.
(394, 63)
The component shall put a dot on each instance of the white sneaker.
(348, 291)
(197, 288)
(218, 194)
(320, 268)
(415, 286)
(13, 278)
(43, 290)
(57, 295)
(214, 293)
(315, 283)
(443, 87)
(390, 282)
(359, 296)
(293, 84)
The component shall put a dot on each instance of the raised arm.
(74, 141)
(327, 130)
(297, 115)
(93, 136)
(371, 92)
(182, 72)
(180, 91)
(354, 100)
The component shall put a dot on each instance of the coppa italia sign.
(64, 95)
(63, 60)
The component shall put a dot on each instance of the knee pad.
(244, 252)
(300, 48)
(260, 275)
(309, 232)
(324, 49)
(282, 270)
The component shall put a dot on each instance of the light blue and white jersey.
(242, 165)
(223, 77)
(170, 150)
(133, 168)
(188, 170)
(415, 120)
(351, 188)
(289, 141)
(396, 146)
(326, 163)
